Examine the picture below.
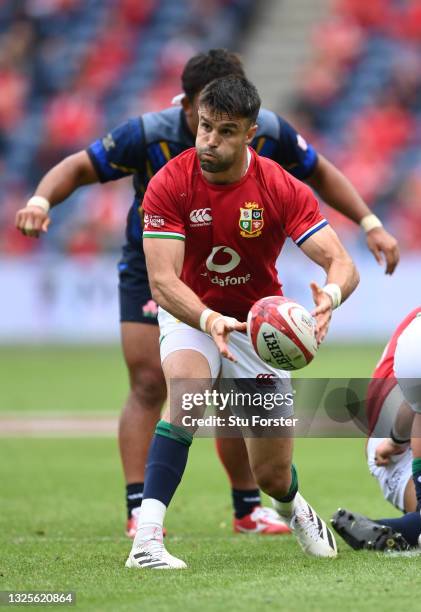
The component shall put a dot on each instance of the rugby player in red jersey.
(205, 276)
(390, 450)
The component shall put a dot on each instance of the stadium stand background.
(72, 69)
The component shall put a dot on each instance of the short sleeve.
(162, 215)
(295, 154)
(302, 213)
(120, 153)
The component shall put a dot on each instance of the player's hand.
(386, 449)
(323, 311)
(384, 247)
(32, 220)
(220, 329)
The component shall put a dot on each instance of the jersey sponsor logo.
(251, 220)
(229, 281)
(221, 253)
(228, 266)
(153, 220)
(200, 217)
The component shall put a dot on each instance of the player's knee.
(274, 480)
(147, 387)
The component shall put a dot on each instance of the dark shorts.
(136, 303)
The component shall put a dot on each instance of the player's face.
(221, 140)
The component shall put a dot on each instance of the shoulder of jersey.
(268, 124)
(162, 125)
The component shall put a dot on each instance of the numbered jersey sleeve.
(120, 153)
(163, 217)
(301, 212)
(294, 153)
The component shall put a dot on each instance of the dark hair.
(205, 67)
(233, 96)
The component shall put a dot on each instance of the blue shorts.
(136, 303)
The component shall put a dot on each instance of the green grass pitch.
(62, 514)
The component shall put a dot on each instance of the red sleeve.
(163, 217)
(302, 214)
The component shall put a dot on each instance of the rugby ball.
(282, 333)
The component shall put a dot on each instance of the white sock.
(283, 508)
(152, 513)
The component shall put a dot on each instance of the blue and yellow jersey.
(142, 146)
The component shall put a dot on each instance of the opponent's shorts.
(407, 363)
(136, 303)
(393, 477)
(175, 336)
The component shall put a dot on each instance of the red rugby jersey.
(383, 376)
(233, 233)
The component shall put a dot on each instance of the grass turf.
(93, 379)
(62, 519)
(62, 508)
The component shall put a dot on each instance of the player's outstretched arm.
(325, 249)
(60, 182)
(337, 191)
(164, 260)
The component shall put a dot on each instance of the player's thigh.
(138, 318)
(269, 389)
(140, 344)
(407, 363)
(191, 362)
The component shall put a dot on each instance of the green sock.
(416, 475)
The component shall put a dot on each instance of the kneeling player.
(390, 459)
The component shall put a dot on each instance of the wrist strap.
(370, 222)
(396, 440)
(334, 291)
(204, 318)
(39, 201)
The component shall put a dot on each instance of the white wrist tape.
(370, 222)
(229, 320)
(39, 201)
(204, 318)
(334, 291)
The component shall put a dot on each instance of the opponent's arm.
(58, 184)
(164, 260)
(337, 191)
(325, 249)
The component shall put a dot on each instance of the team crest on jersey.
(251, 220)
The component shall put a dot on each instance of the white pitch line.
(58, 425)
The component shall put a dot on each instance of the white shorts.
(407, 363)
(393, 477)
(176, 336)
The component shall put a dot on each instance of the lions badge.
(251, 220)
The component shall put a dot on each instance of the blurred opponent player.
(139, 148)
(394, 460)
